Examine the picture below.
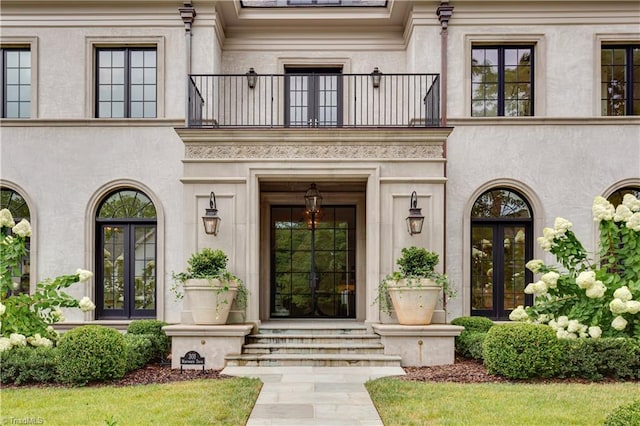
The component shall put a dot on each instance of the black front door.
(333, 256)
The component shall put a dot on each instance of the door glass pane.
(145, 267)
(113, 267)
(482, 268)
(333, 256)
(513, 266)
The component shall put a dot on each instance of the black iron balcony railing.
(314, 100)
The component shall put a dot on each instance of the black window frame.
(3, 83)
(127, 80)
(501, 99)
(630, 84)
(313, 99)
(498, 225)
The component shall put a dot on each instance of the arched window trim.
(90, 240)
(33, 220)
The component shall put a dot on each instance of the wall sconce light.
(210, 219)
(376, 76)
(252, 78)
(415, 220)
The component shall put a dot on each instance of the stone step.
(334, 328)
(316, 360)
(319, 348)
(277, 338)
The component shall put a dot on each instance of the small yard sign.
(191, 358)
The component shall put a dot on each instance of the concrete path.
(314, 395)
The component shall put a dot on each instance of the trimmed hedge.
(469, 343)
(522, 351)
(140, 350)
(595, 359)
(625, 415)
(153, 330)
(91, 352)
(29, 364)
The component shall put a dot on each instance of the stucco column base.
(213, 342)
(419, 345)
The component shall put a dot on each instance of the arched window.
(126, 256)
(16, 204)
(501, 244)
(618, 195)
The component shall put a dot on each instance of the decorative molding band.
(315, 151)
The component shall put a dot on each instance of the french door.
(314, 97)
(333, 255)
(499, 252)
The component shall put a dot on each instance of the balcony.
(318, 100)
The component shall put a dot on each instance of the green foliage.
(625, 415)
(521, 351)
(469, 344)
(91, 352)
(417, 262)
(27, 364)
(206, 263)
(139, 350)
(153, 328)
(481, 324)
(595, 359)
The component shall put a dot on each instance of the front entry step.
(331, 344)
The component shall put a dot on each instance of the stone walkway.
(314, 395)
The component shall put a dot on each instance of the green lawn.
(194, 402)
(418, 403)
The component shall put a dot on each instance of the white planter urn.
(414, 302)
(208, 300)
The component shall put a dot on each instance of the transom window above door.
(314, 97)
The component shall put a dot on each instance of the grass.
(196, 402)
(417, 403)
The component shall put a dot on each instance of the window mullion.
(127, 81)
(501, 84)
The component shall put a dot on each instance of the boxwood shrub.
(522, 351)
(153, 329)
(595, 359)
(91, 352)
(625, 415)
(140, 350)
(469, 342)
(27, 364)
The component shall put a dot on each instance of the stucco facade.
(64, 161)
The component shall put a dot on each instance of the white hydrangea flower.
(23, 229)
(596, 291)
(633, 307)
(17, 339)
(84, 274)
(573, 326)
(602, 209)
(617, 306)
(553, 324)
(563, 321)
(58, 316)
(586, 279)
(633, 222)
(3, 309)
(543, 319)
(551, 279)
(619, 323)
(6, 219)
(544, 243)
(631, 202)
(534, 265)
(537, 288)
(622, 213)
(623, 294)
(86, 304)
(518, 314)
(561, 226)
(595, 332)
(37, 341)
(5, 344)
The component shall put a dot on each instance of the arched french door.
(17, 205)
(501, 245)
(126, 237)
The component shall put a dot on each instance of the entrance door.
(313, 97)
(292, 256)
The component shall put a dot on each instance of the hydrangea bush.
(583, 297)
(26, 319)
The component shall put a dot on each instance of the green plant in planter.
(415, 264)
(211, 264)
